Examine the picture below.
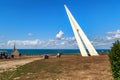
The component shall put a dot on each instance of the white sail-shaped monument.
(80, 36)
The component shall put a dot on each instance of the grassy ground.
(68, 67)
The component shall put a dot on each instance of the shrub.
(114, 57)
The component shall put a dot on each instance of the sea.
(50, 51)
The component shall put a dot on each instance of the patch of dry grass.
(68, 67)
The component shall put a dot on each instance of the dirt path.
(11, 65)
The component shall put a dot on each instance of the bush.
(114, 57)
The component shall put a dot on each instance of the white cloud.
(30, 34)
(64, 42)
(115, 35)
(114, 32)
(24, 42)
(69, 39)
(106, 42)
(60, 34)
(68, 42)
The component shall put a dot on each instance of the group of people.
(46, 56)
(4, 55)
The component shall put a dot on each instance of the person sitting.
(46, 56)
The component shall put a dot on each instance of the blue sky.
(45, 24)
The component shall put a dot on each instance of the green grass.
(34, 69)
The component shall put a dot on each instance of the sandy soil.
(71, 67)
(13, 64)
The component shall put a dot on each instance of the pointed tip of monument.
(64, 4)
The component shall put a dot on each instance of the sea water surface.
(50, 51)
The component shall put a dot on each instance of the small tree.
(114, 57)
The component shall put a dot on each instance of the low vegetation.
(115, 60)
(68, 67)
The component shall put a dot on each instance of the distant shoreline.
(50, 51)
